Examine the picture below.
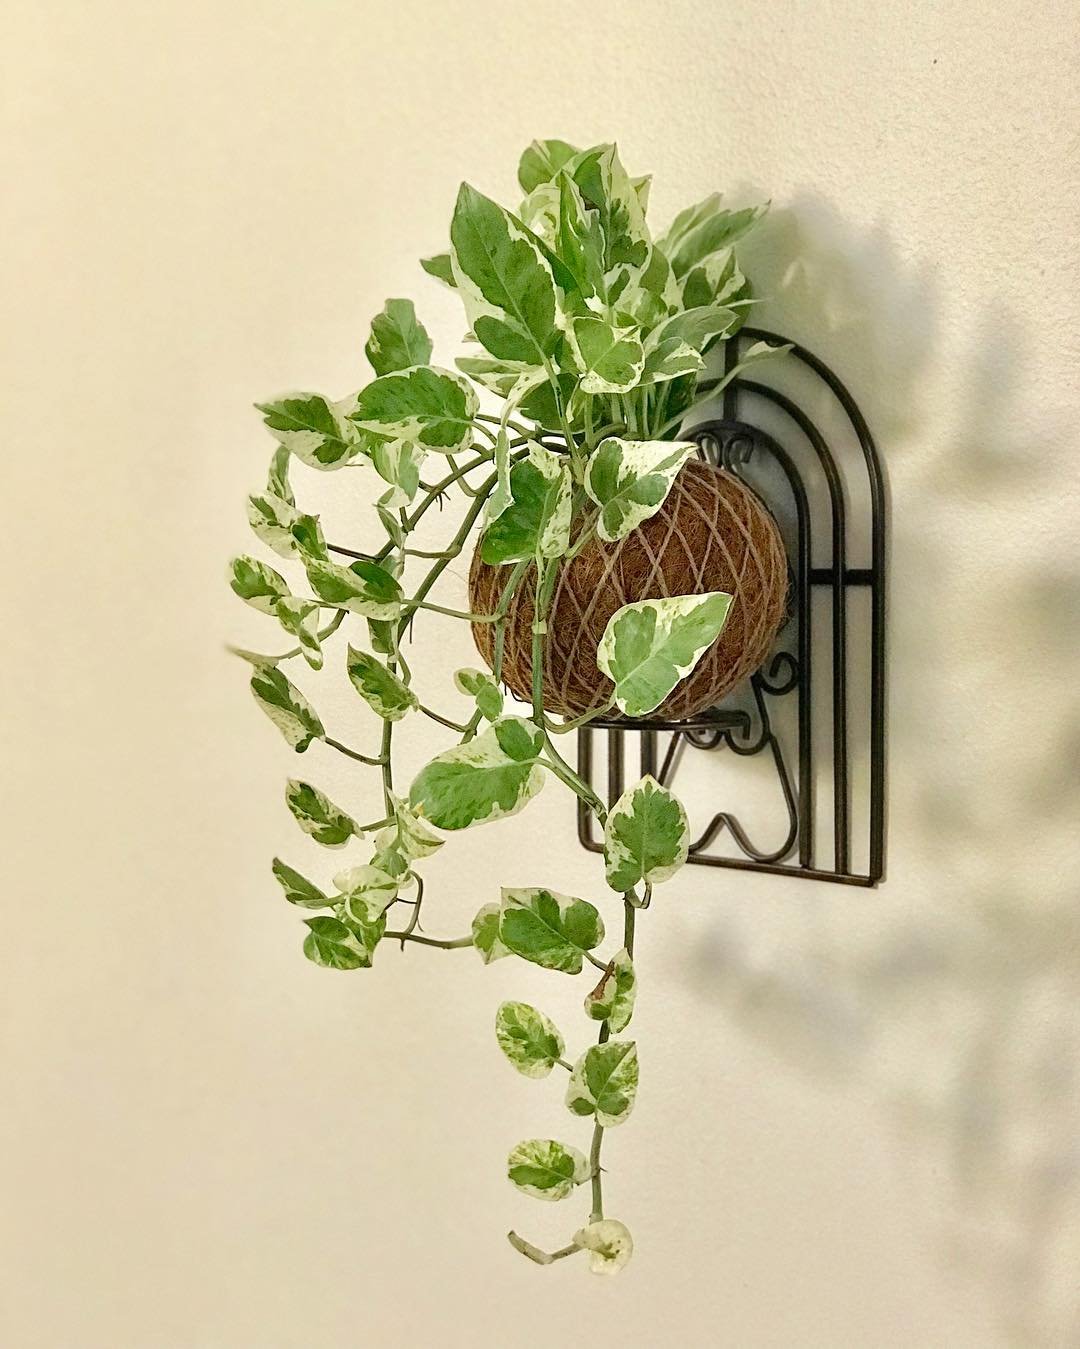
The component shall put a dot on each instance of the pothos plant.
(592, 334)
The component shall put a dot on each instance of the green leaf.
(398, 340)
(630, 479)
(383, 636)
(384, 691)
(298, 889)
(537, 521)
(609, 1244)
(440, 267)
(606, 187)
(612, 1000)
(698, 328)
(539, 212)
(505, 281)
(363, 588)
(336, 945)
(427, 406)
(549, 929)
(648, 647)
(542, 161)
(301, 618)
(398, 462)
(646, 836)
(485, 934)
(257, 584)
(486, 779)
(409, 835)
(718, 280)
(317, 815)
(366, 891)
(611, 359)
(286, 707)
(604, 1082)
(670, 359)
(482, 688)
(500, 497)
(528, 1039)
(546, 1169)
(309, 426)
(283, 528)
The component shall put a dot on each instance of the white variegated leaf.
(312, 428)
(485, 934)
(298, 889)
(604, 1083)
(365, 891)
(541, 162)
(398, 339)
(529, 1040)
(317, 815)
(384, 691)
(257, 584)
(649, 646)
(277, 479)
(362, 588)
(610, 359)
(398, 463)
(609, 1244)
(423, 406)
(289, 532)
(612, 1000)
(549, 929)
(300, 617)
(482, 688)
(646, 836)
(490, 777)
(336, 944)
(546, 1169)
(410, 836)
(286, 707)
(630, 479)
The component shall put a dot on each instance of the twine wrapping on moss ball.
(712, 533)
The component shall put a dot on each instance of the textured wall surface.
(859, 1114)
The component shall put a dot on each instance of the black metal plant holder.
(818, 480)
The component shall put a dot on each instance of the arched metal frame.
(732, 443)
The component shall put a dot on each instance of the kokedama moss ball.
(712, 533)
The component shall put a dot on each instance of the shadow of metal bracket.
(828, 493)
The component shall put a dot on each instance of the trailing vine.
(593, 335)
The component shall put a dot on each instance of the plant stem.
(535, 1254)
(452, 613)
(460, 727)
(355, 754)
(443, 944)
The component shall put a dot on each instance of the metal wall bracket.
(819, 473)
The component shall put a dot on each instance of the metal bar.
(584, 768)
(841, 788)
(615, 766)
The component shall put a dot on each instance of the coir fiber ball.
(712, 533)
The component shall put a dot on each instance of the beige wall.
(859, 1115)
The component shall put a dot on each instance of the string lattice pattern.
(712, 533)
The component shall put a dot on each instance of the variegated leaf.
(537, 520)
(669, 360)
(540, 212)
(384, 691)
(649, 646)
(425, 406)
(646, 836)
(410, 836)
(482, 688)
(289, 532)
(298, 889)
(604, 1082)
(398, 339)
(718, 280)
(257, 584)
(610, 359)
(612, 1000)
(398, 463)
(606, 187)
(609, 1244)
(630, 479)
(501, 496)
(336, 945)
(488, 778)
(311, 427)
(363, 587)
(541, 161)
(277, 479)
(365, 891)
(300, 617)
(505, 281)
(546, 1169)
(697, 328)
(286, 707)
(439, 266)
(529, 1040)
(485, 934)
(549, 929)
(317, 815)
(704, 229)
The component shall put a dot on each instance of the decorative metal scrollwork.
(828, 493)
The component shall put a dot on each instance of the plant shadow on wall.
(953, 991)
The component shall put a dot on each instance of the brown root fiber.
(712, 533)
